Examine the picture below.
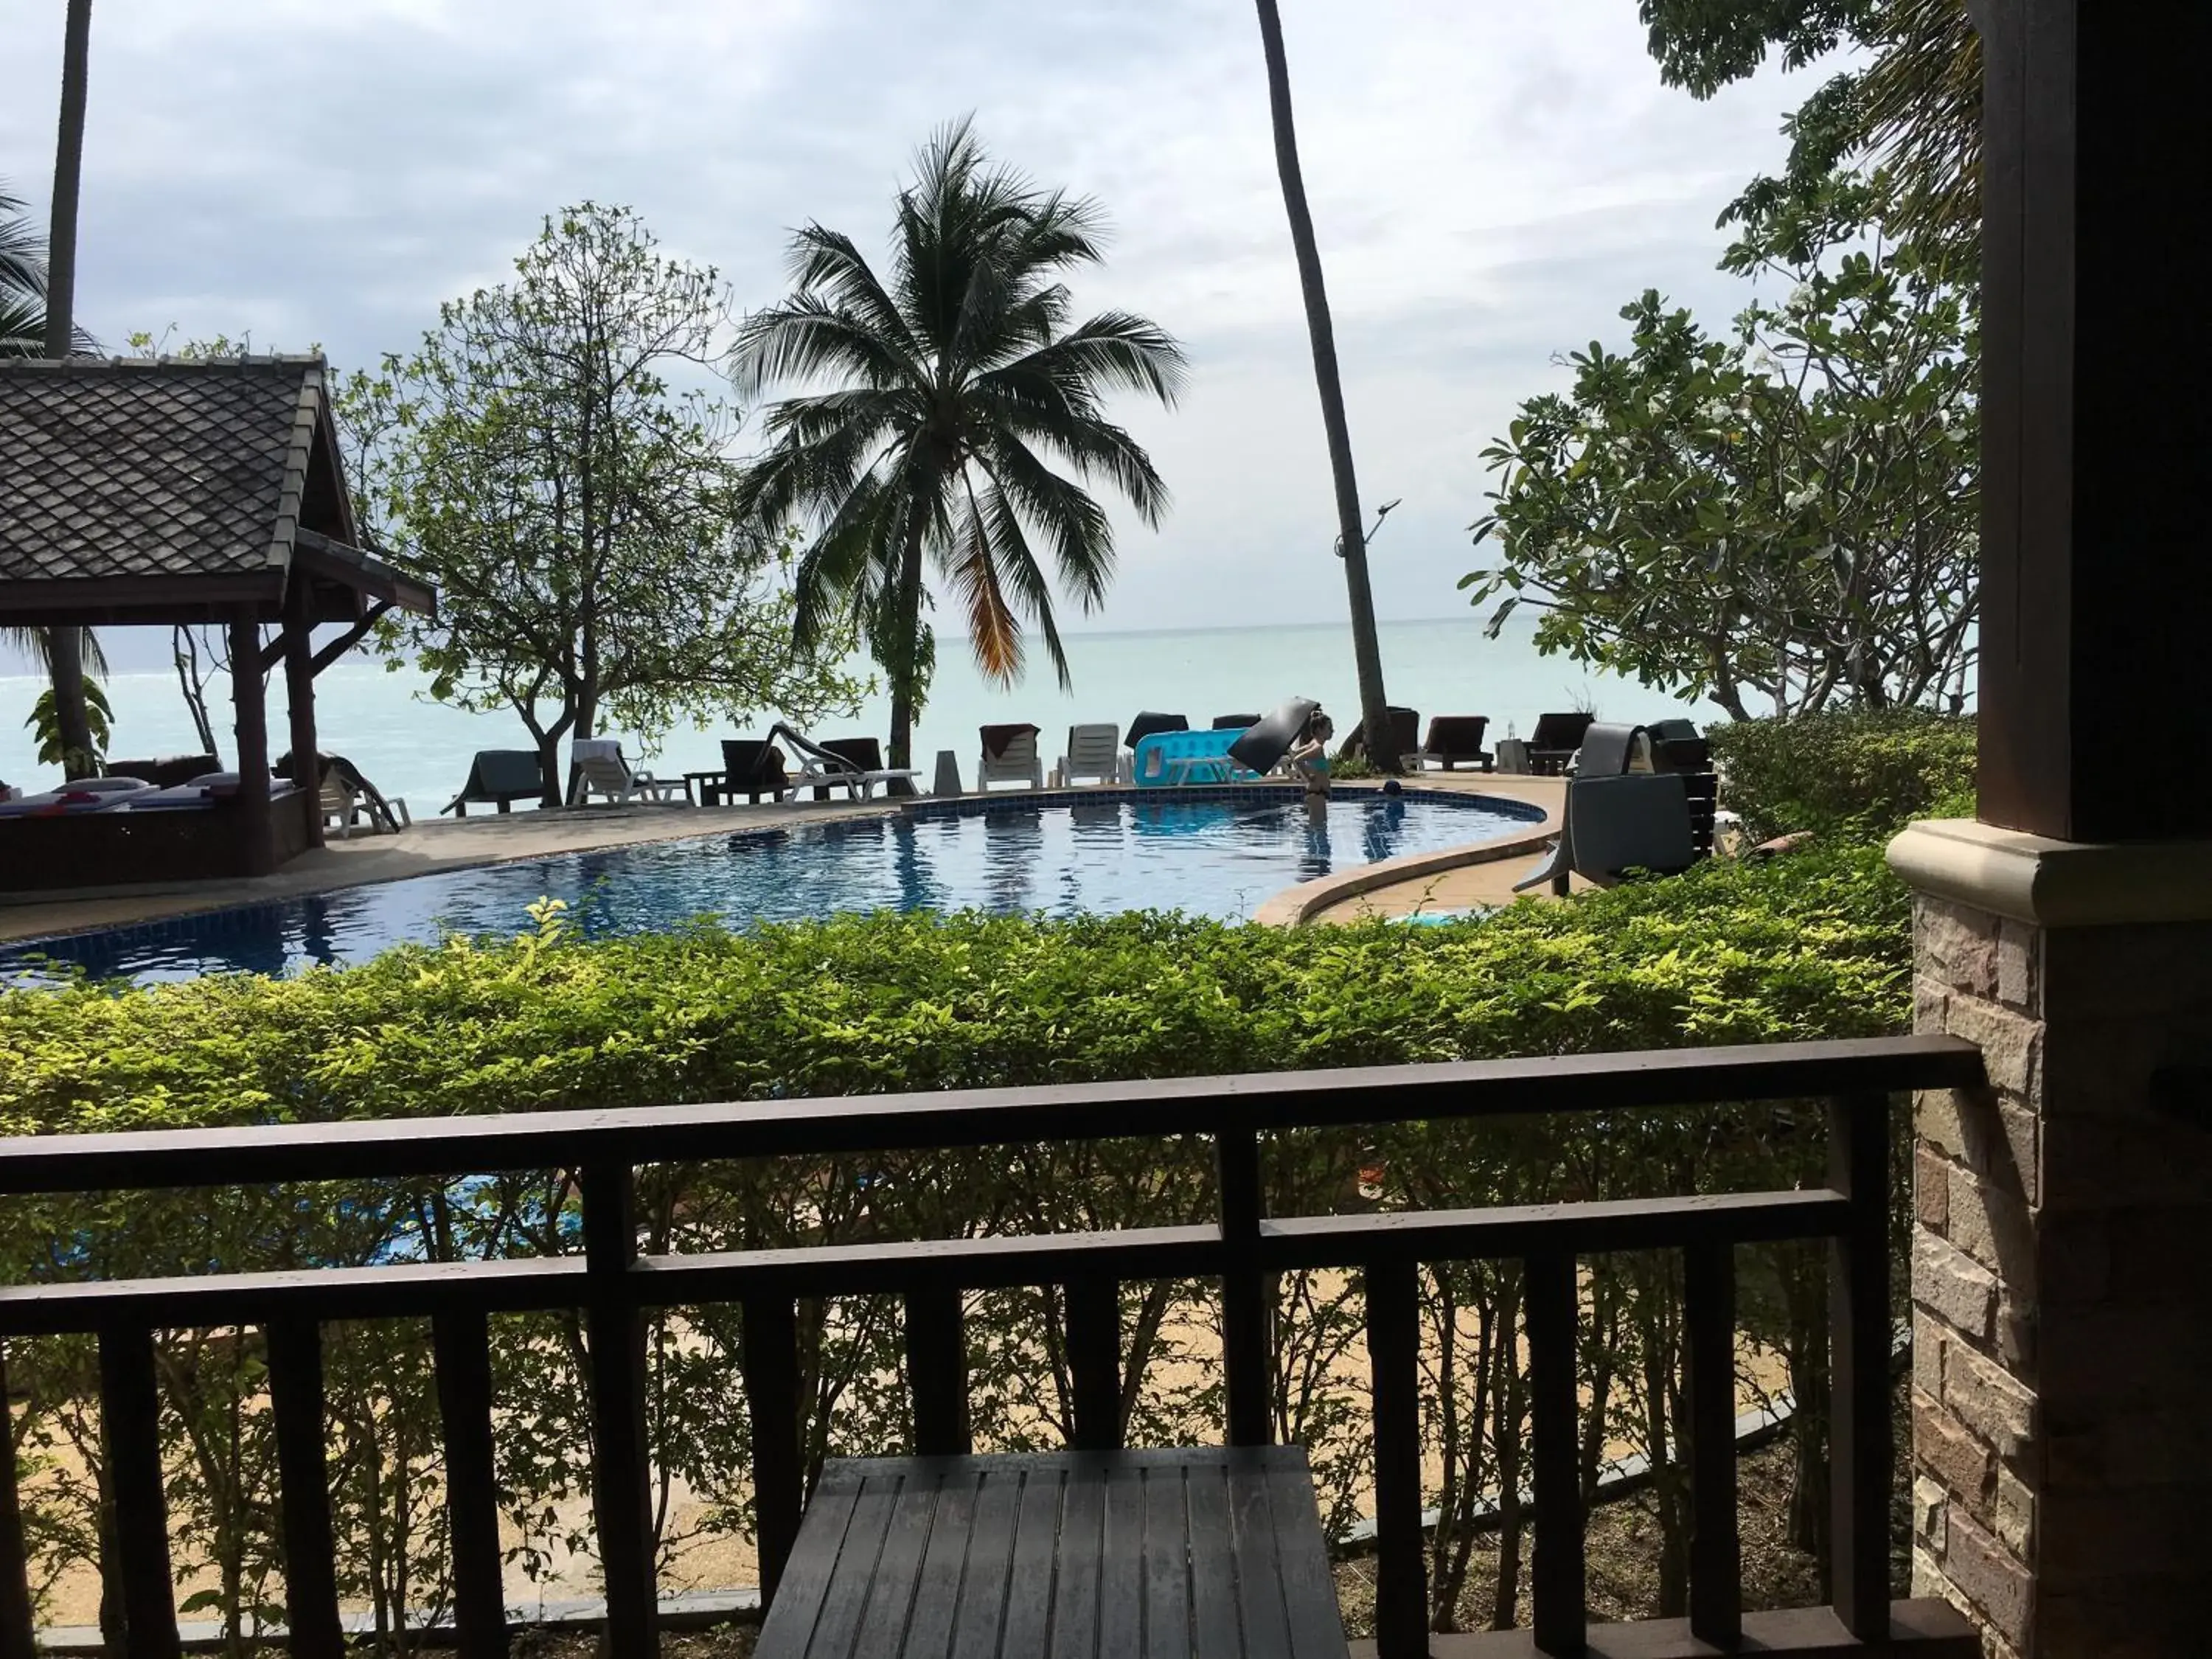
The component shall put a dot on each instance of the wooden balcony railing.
(613, 1284)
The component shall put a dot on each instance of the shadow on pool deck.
(429, 848)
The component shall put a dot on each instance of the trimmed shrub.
(1860, 774)
(1811, 946)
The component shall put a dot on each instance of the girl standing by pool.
(1309, 758)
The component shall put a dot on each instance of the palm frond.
(824, 262)
(1921, 104)
(804, 337)
(1114, 348)
(1067, 515)
(23, 250)
(971, 566)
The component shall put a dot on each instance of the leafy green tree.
(1912, 100)
(945, 388)
(1787, 513)
(577, 513)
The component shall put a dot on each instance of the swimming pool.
(1209, 852)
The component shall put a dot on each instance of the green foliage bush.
(1859, 774)
(1809, 947)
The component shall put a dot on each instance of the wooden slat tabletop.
(1205, 1552)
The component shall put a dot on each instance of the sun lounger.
(853, 764)
(751, 767)
(1455, 740)
(1261, 746)
(347, 799)
(1404, 735)
(840, 764)
(498, 777)
(1150, 723)
(81, 796)
(1553, 743)
(1235, 722)
(209, 789)
(1170, 759)
(1093, 752)
(166, 771)
(602, 769)
(1010, 755)
(1615, 823)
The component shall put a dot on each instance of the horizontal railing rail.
(614, 1284)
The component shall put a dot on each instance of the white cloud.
(1490, 182)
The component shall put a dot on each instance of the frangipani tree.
(1786, 514)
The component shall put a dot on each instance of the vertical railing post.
(18, 1638)
(937, 1369)
(1093, 1319)
(1393, 1359)
(130, 1441)
(1716, 1557)
(770, 1350)
(1558, 1588)
(1247, 1354)
(1859, 1450)
(621, 1493)
(461, 1339)
(311, 1627)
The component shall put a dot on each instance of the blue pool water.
(1209, 853)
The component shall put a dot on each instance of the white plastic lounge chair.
(841, 763)
(1010, 755)
(1093, 752)
(602, 770)
(340, 804)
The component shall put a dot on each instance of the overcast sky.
(1491, 178)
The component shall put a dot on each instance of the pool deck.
(429, 847)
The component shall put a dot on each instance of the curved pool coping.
(1295, 907)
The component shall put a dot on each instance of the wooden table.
(1191, 1553)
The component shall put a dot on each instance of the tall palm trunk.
(1374, 705)
(907, 671)
(65, 646)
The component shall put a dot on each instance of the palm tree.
(23, 280)
(1352, 541)
(944, 390)
(65, 646)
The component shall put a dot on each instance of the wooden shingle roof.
(143, 489)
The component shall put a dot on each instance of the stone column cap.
(2055, 883)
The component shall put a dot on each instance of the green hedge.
(1811, 946)
(1728, 953)
(1865, 776)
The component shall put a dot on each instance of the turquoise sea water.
(419, 750)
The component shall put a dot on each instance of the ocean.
(411, 747)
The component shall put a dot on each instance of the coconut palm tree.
(66, 655)
(1352, 541)
(23, 282)
(945, 392)
(23, 334)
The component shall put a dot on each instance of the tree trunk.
(905, 672)
(1374, 705)
(65, 646)
(65, 664)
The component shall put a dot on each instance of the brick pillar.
(2061, 1251)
